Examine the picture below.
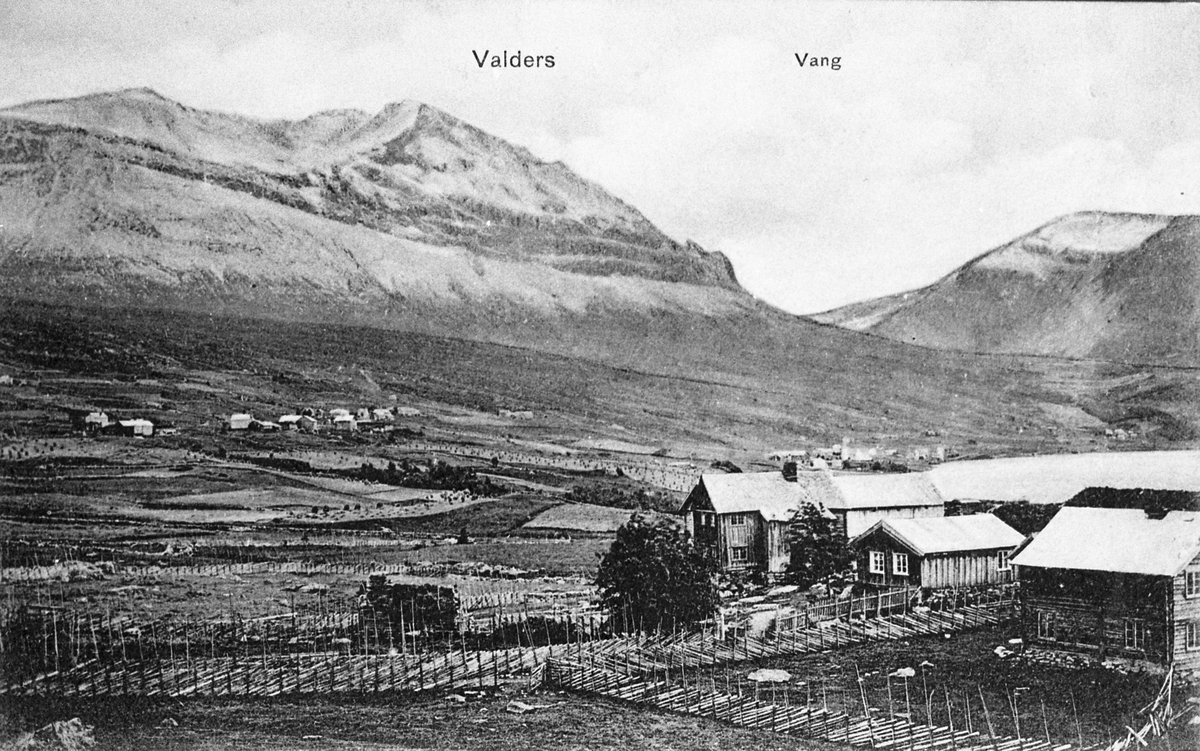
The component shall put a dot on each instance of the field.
(249, 553)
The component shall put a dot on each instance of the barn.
(936, 553)
(860, 500)
(1119, 584)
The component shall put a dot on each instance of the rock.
(519, 707)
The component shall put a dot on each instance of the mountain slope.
(1123, 287)
(135, 225)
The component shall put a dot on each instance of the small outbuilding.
(239, 422)
(290, 422)
(947, 552)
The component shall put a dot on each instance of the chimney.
(789, 470)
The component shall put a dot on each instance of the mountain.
(1118, 287)
(141, 235)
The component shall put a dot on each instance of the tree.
(817, 550)
(653, 578)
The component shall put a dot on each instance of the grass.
(420, 722)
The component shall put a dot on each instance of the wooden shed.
(1115, 584)
(936, 553)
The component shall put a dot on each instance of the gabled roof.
(765, 492)
(1126, 541)
(893, 490)
(948, 534)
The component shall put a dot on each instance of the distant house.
(743, 517)
(363, 414)
(1117, 584)
(345, 424)
(408, 411)
(165, 429)
(860, 500)
(290, 422)
(936, 552)
(307, 424)
(134, 427)
(265, 426)
(239, 422)
(95, 421)
(382, 414)
(6, 380)
(337, 412)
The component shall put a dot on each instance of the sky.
(949, 129)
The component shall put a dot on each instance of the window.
(1135, 634)
(1045, 623)
(877, 562)
(739, 554)
(1191, 584)
(737, 520)
(1002, 561)
(900, 564)
(1193, 635)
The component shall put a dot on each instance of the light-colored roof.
(868, 491)
(1123, 541)
(289, 418)
(949, 534)
(765, 492)
(137, 422)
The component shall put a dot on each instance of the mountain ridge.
(1099, 285)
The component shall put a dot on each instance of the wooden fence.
(872, 727)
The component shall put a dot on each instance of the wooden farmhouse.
(860, 500)
(743, 518)
(937, 552)
(1118, 584)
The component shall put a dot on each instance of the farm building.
(95, 421)
(936, 553)
(239, 422)
(265, 426)
(1117, 584)
(860, 500)
(743, 517)
(345, 424)
(134, 427)
(307, 424)
(382, 414)
(290, 422)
